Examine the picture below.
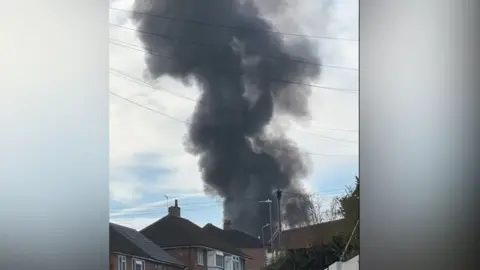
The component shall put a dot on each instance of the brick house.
(247, 243)
(130, 250)
(191, 245)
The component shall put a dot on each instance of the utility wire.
(209, 46)
(148, 51)
(143, 49)
(147, 108)
(139, 81)
(186, 122)
(202, 203)
(124, 75)
(232, 26)
(119, 73)
(217, 203)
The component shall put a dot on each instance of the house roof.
(234, 237)
(131, 242)
(313, 235)
(172, 231)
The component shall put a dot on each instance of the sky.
(149, 167)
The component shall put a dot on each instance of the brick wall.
(258, 258)
(148, 264)
(188, 256)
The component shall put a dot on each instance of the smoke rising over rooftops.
(240, 73)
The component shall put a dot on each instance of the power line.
(339, 129)
(147, 108)
(207, 203)
(186, 122)
(201, 205)
(210, 46)
(156, 87)
(233, 26)
(139, 81)
(299, 195)
(148, 51)
(346, 90)
(119, 73)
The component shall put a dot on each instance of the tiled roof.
(234, 237)
(131, 242)
(172, 231)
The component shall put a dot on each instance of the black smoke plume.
(242, 74)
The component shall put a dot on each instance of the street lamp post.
(263, 236)
(270, 213)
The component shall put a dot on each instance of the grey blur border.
(54, 135)
(419, 130)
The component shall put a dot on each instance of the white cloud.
(136, 223)
(150, 205)
(134, 130)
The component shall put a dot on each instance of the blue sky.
(147, 159)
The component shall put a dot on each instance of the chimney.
(174, 210)
(227, 224)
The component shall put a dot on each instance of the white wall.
(352, 264)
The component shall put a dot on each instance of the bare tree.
(323, 210)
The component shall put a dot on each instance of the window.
(122, 263)
(219, 260)
(236, 263)
(200, 257)
(138, 265)
(211, 258)
(228, 263)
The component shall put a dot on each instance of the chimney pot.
(174, 210)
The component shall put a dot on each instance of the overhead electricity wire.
(139, 81)
(253, 199)
(186, 122)
(148, 51)
(210, 46)
(156, 87)
(232, 26)
(132, 210)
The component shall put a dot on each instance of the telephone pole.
(278, 193)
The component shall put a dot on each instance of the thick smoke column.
(238, 71)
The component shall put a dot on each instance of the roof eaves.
(121, 231)
(238, 253)
(146, 259)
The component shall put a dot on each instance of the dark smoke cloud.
(238, 72)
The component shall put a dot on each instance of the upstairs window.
(200, 257)
(122, 263)
(138, 264)
(219, 262)
(236, 263)
(228, 263)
